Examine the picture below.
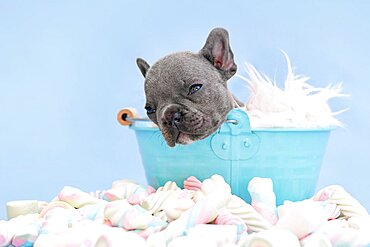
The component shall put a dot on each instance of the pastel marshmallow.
(271, 238)
(21, 207)
(192, 183)
(301, 218)
(76, 197)
(316, 240)
(222, 234)
(263, 198)
(254, 221)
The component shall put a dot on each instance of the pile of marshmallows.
(202, 214)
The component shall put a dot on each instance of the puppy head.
(186, 93)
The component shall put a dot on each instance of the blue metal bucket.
(290, 157)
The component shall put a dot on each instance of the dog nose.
(172, 116)
(176, 117)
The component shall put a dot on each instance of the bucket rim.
(315, 129)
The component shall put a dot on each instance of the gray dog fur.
(187, 94)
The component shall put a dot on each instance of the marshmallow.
(271, 238)
(19, 231)
(203, 212)
(55, 204)
(57, 220)
(301, 218)
(216, 190)
(153, 203)
(222, 234)
(139, 195)
(136, 218)
(254, 221)
(113, 238)
(226, 218)
(316, 240)
(186, 241)
(6, 233)
(121, 214)
(192, 183)
(157, 239)
(170, 185)
(41, 205)
(348, 205)
(76, 197)
(360, 222)
(156, 225)
(263, 198)
(122, 183)
(93, 212)
(177, 203)
(197, 195)
(174, 217)
(122, 189)
(25, 235)
(115, 210)
(24, 207)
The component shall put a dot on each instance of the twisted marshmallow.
(254, 221)
(177, 203)
(348, 205)
(94, 212)
(226, 218)
(263, 198)
(75, 197)
(124, 189)
(154, 202)
(340, 233)
(197, 195)
(216, 190)
(56, 220)
(192, 183)
(115, 210)
(203, 212)
(20, 231)
(122, 214)
(169, 186)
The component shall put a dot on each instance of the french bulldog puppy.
(187, 94)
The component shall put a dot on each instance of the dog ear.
(143, 66)
(217, 50)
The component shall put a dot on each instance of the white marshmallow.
(360, 222)
(222, 234)
(22, 207)
(301, 218)
(186, 241)
(6, 233)
(316, 240)
(270, 238)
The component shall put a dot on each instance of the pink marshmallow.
(192, 183)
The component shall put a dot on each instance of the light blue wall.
(67, 68)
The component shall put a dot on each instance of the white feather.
(298, 105)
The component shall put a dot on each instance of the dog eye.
(193, 88)
(149, 110)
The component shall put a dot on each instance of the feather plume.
(298, 105)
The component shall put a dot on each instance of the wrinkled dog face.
(186, 93)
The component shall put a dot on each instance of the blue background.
(68, 67)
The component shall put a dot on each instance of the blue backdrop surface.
(68, 67)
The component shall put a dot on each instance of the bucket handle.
(235, 141)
